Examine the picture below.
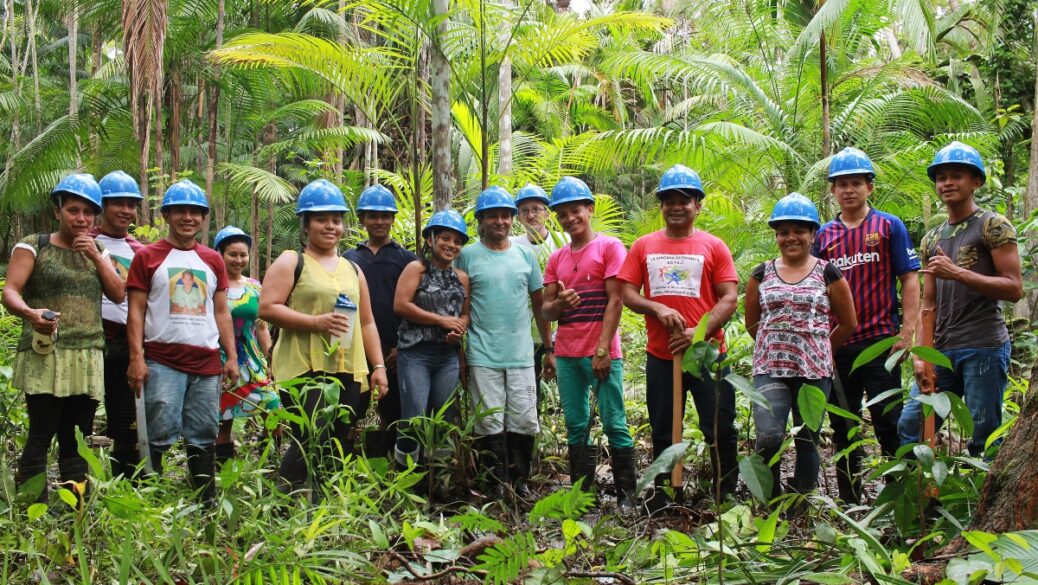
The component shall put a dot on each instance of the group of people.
(175, 330)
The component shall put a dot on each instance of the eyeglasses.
(533, 210)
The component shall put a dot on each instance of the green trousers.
(576, 382)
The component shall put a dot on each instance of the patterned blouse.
(439, 291)
(793, 334)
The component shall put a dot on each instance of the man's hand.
(379, 383)
(942, 266)
(907, 339)
(568, 297)
(137, 374)
(670, 319)
(602, 366)
(548, 366)
(680, 341)
(230, 373)
(391, 360)
(925, 375)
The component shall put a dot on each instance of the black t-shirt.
(382, 271)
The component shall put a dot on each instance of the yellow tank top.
(298, 352)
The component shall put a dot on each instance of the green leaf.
(662, 465)
(68, 497)
(883, 396)
(893, 360)
(827, 579)
(747, 388)
(940, 472)
(924, 454)
(961, 413)
(833, 409)
(873, 351)
(96, 469)
(982, 541)
(766, 530)
(36, 510)
(504, 561)
(378, 536)
(757, 476)
(701, 327)
(932, 355)
(811, 402)
(940, 403)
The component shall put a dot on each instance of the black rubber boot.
(28, 469)
(156, 460)
(589, 465)
(73, 474)
(725, 461)
(201, 465)
(576, 467)
(520, 458)
(625, 478)
(493, 457)
(124, 462)
(224, 452)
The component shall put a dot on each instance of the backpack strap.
(300, 262)
(42, 241)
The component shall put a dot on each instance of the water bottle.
(344, 306)
(43, 343)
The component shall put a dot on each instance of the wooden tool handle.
(676, 427)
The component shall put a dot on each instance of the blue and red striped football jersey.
(871, 256)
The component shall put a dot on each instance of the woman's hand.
(85, 245)
(452, 324)
(379, 383)
(41, 325)
(330, 323)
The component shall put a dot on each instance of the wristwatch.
(601, 352)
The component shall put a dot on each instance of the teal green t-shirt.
(501, 283)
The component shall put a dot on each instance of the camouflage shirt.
(965, 317)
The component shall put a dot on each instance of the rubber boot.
(27, 470)
(201, 465)
(224, 452)
(520, 458)
(577, 470)
(124, 462)
(73, 474)
(156, 460)
(725, 460)
(625, 478)
(494, 458)
(439, 465)
(589, 464)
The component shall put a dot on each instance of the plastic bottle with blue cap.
(346, 307)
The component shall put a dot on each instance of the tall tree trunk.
(16, 122)
(31, 13)
(73, 82)
(96, 45)
(269, 136)
(175, 98)
(439, 85)
(270, 233)
(824, 74)
(1009, 497)
(504, 107)
(212, 107)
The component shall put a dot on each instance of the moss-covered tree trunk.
(1009, 498)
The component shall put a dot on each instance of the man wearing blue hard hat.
(674, 277)
(532, 203)
(505, 281)
(175, 357)
(382, 260)
(875, 254)
(120, 196)
(971, 265)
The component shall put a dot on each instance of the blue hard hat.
(81, 185)
(531, 191)
(231, 232)
(448, 219)
(494, 197)
(376, 198)
(794, 207)
(119, 184)
(683, 179)
(568, 190)
(184, 192)
(850, 161)
(321, 195)
(957, 153)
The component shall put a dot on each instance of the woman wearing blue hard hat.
(321, 304)
(789, 305)
(432, 299)
(54, 283)
(252, 394)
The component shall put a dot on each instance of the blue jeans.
(771, 430)
(576, 381)
(978, 375)
(178, 403)
(428, 375)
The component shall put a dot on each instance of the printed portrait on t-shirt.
(121, 265)
(675, 274)
(187, 292)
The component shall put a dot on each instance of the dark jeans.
(708, 398)
(120, 406)
(781, 394)
(313, 449)
(50, 416)
(871, 380)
